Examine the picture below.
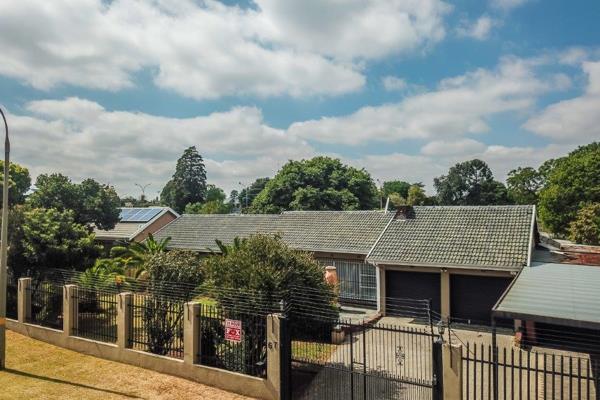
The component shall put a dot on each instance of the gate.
(333, 360)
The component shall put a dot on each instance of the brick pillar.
(69, 309)
(191, 333)
(445, 294)
(274, 356)
(124, 319)
(24, 300)
(453, 372)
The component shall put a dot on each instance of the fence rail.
(96, 315)
(247, 355)
(157, 325)
(522, 374)
(46, 304)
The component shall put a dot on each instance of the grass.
(313, 351)
(37, 370)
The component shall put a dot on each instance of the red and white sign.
(233, 330)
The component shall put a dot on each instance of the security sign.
(233, 330)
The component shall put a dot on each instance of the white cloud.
(456, 147)
(460, 105)
(207, 49)
(391, 83)
(479, 30)
(574, 120)
(82, 139)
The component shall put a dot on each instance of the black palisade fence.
(46, 304)
(522, 374)
(245, 353)
(157, 324)
(96, 315)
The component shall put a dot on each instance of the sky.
(116, 90)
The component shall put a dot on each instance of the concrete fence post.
(24, 300)
(191, 333)
(69, 309)
(124, 319)
(275, 344)
(453, 372)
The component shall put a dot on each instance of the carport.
(555, 301)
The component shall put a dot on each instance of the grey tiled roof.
(326, 231)
(479, 236)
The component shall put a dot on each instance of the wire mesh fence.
(234, 341)
(157, 325)
(46, 304)
(96, 315)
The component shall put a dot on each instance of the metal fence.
(46, 304)
(357, 281)
(157, 325)
(233, 341)
(12, 292)
(96, 315)
(522, 374)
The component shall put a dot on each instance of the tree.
(470, 183)
(19, 183)
(137, 254)
(234, 199)
(321, 183)
(91, 202)
(210, 207)
(52, 239)
(398, 187)
(416, 196)
(247, 195)
(188, 184)
(524, 185)
(215, 193)
(586, 226)
(573, 182)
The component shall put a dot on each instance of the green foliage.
(417, 196)
(215, 193)
(470, 183)
(399, 187)
(136, 255)
(572, 182)
(52, 239)
(91, 202)
(247, 195)
(188, 184)
(177, 267)
(524, 185)
(321, 183)
(586, 226)
(106, 275)
(19, 183)
(210, 207)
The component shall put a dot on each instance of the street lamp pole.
(4, 246)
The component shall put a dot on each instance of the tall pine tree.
(188, 184)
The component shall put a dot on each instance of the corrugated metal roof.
(494, 237)
(563, 294)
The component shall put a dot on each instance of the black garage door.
(473, 297)
(411, 285)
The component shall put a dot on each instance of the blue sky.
(116, 90)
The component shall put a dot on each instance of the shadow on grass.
(80, 385)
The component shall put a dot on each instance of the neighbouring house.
(461, 258)
(135, 224)
(555, 305)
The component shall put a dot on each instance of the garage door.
(472, 297)
(411, 285)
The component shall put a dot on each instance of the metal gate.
(341, 360)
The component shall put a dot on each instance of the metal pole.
(495, 359)
(4, 246)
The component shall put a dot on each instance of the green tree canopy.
(321, 183)
(188, 184)
(470, 183)
(586, 226)
(247, 195)
(524, 185)
(49, 238)
(91, 202)
(19, 183)
(416, 196)
(573, 182)
(215, 193)
(398, 187)
(210, 207)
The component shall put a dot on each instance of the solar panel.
(138, 214)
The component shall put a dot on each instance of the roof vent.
(404, 212)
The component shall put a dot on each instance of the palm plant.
(137, 254)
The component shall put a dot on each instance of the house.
(461, 258)
(548, 298)
(136, 223)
